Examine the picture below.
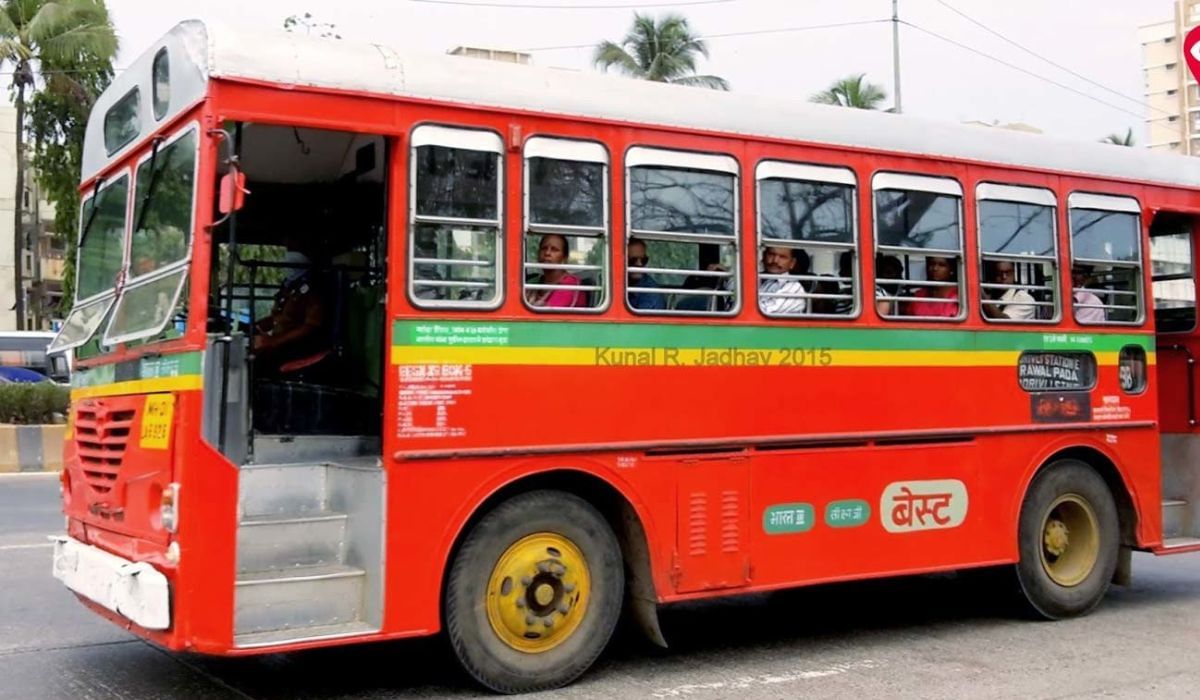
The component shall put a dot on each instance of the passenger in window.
(1012, 304)
(783, 261)
(1087, 304)
(554, 250)
(637, 257)
(846, 286)
(937, 269)
(887, 267)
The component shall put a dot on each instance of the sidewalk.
(31, 448)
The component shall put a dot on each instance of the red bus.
(373, 346)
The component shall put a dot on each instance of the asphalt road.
(926, 637)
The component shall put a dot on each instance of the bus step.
(1174, 514)
(308, 634)
(1175, 542)
(272, 542)
(298, 598)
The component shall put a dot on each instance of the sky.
(771, 55)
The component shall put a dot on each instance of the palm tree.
(852, 91)
(662, 50)
(1119, 140)
(37, 31)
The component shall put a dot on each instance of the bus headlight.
(169, 509)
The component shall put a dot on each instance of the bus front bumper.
(135, 590)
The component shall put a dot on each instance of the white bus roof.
(199, 52)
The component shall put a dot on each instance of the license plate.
(156, 421)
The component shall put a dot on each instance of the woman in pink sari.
(554, 250)
(937, 269)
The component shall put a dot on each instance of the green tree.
(852, 91)
(35, 34)
(662, 50)
(1119, 140)
(57, 121)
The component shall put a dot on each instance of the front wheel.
(1069, 539)
(534, 592)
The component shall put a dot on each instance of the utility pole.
(896, 51)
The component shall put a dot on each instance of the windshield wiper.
(95, 200)
(150, 186)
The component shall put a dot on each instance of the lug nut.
(521, 603)
(529, 620)
(543, 567)
(548, 622)
(568, 588)
(525, 580)
(564, 608)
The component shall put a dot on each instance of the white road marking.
(29, 476)
(769, 679)
(39, 545)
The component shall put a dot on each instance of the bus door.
(1173, 270)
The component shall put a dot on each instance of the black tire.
(1046, 597)
(481, 651)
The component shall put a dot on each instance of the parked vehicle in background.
(27, 349)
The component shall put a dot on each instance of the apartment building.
(43, 259)
(1172, 95)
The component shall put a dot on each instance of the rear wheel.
(1069, 539)
(534, 592)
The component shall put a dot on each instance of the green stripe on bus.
(568, 334)
(182, 364)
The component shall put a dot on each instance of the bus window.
(566, 225)
(1174, 281)
(1105, 258)
(454, 256)
(806, 240)
(102, 239)
(162, 206)
(1018, 253)
(918, 245)
(683, 213)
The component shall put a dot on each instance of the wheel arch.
(1106, 467)
(619, 509)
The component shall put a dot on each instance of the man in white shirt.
(781, 261)
(1010, 304)
(1088, 307)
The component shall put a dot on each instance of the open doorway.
(299, 276)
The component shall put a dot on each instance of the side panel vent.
(712, 519)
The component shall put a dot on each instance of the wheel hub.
(1070, 540)
(538, 592)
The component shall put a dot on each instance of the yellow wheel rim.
(1070, 540)
(538, 592)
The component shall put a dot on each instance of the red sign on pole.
(1191, 51)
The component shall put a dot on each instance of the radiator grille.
(100, 439)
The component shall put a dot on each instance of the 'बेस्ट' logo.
(910, 506)
(1191, 51)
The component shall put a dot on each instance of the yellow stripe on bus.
(184, 382)
(659, 357)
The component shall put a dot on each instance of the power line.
(1040, 57)
(1030, 73)
(530, 6)
(756, 32)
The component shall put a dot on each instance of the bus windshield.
(160, 246)
(102, 239)
(162, 215)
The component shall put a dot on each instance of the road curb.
(31, 448)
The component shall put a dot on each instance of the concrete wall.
(31, 448)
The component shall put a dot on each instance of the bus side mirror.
(233, 191)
